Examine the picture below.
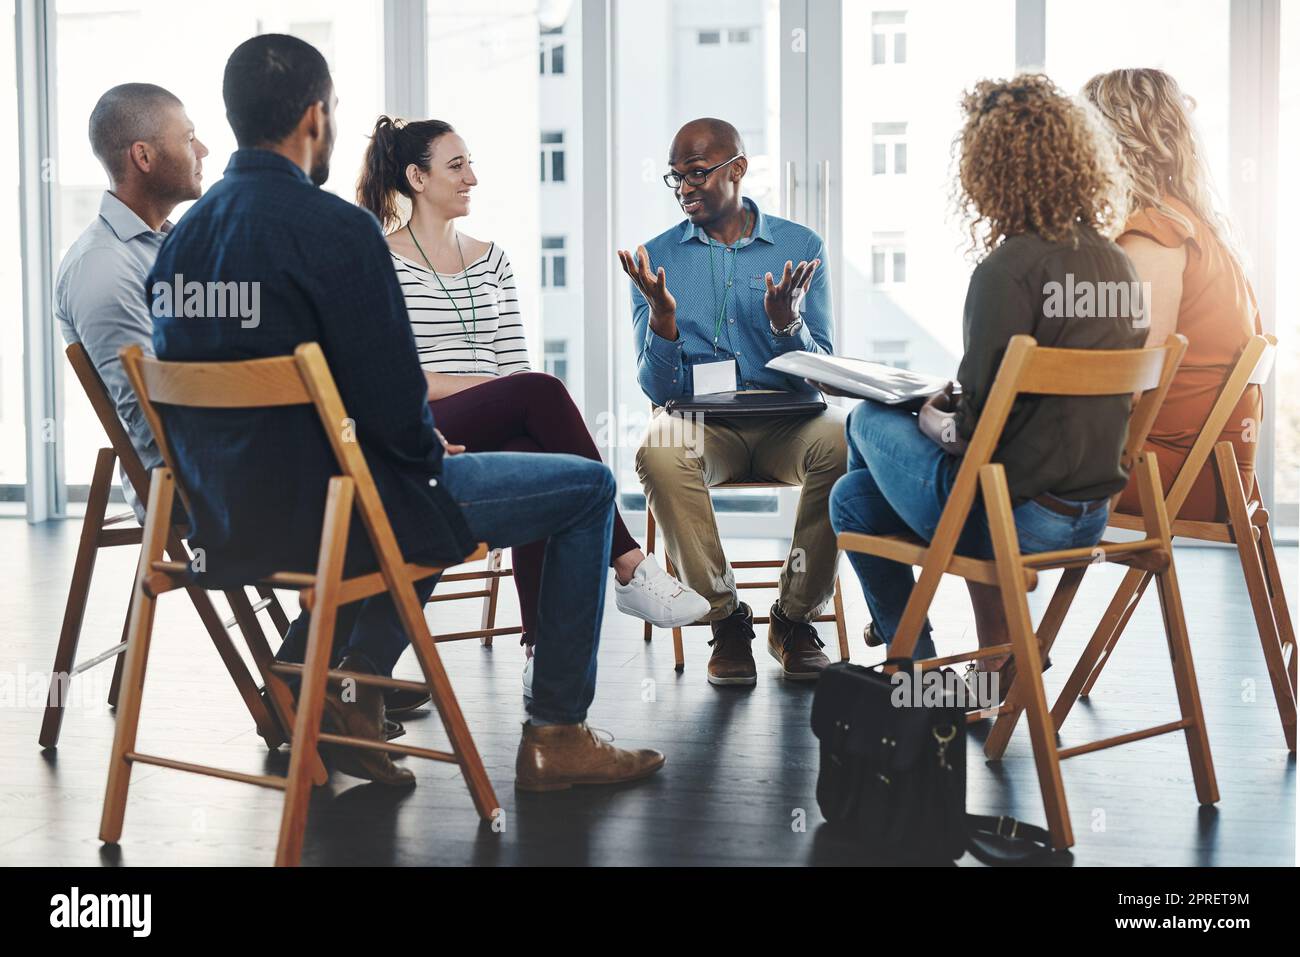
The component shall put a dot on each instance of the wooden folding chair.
(1246, 527)
(99, 531)
(491, 575)
(1028, 369)
(301, 379)
(837, 617)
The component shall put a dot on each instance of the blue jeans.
(898, 483)
(508, 499)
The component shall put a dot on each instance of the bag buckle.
(1010, 834)
(943, 739)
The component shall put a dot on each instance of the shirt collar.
(122, 219)
(762, 228)
(245, 160)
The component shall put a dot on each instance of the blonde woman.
(1040, 189)
(1180, 244)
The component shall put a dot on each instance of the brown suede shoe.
(795, 644)
(362, 716)
(555, 757)
(732, 662)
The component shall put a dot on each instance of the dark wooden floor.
(742, 764)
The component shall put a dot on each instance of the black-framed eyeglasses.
(696, 177)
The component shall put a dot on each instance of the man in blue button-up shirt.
(714, 299)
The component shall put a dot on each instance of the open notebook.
(867, 380)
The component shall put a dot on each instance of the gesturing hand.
(782, 297)
(654, 286)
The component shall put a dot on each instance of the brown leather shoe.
(732, 662)
(555, 757)
(795, 644)
(362, 716)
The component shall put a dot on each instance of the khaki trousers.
(680, 459)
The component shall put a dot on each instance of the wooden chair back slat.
(1091, 371)
(1253, 367)
(1153, 368)
(253, 383)
(102, 403)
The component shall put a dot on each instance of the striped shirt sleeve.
(511, 346)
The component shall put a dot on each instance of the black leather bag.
(895, 776)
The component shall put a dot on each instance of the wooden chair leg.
(157, 528)
(1156, 520)
(1102, 643)
(1120, 627)
(1252, 568)
(115, 685)
(278, 692)
(841, 630)
(1024, 643)
(312, 691)
(679, 657)
(444, 698)
(1000, 734)
(488, 620)
(648, 630)
(74, 611)
(275, 610)
(266, 726)
(1281, 611)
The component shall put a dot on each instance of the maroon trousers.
(525, 412)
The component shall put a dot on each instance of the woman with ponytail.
(1181, 246)
(460, 295)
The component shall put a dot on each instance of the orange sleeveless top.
(1217, 314)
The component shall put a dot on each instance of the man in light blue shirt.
(714, 299)
(146, 143)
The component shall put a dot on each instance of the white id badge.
(714, 377)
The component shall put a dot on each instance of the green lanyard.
(471, 333)
(728, 282)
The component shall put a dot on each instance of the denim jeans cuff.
(556, 715)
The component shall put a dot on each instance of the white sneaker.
(655, 596)
(528, 678)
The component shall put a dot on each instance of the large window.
(348, 34)
(484, 80)
(1186, 38)
(13, 432)
(904, 268)
(1287, 490)
(866, 157)
(720, 67)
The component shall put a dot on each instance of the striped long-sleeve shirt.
(487, 339)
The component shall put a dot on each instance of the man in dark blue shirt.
(266, 261)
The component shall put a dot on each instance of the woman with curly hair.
(1181, 246)
(1040, 188)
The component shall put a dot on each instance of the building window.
(888, 259)
(552, 157)
(719, 37)
(554, 263)
(888, 149)
(552, 52)
(888, 37)
(555, 358)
